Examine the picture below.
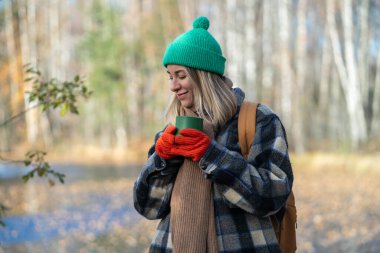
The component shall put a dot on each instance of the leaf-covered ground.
(338, 201)
(337, 196)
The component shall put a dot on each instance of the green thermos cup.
(182, 122)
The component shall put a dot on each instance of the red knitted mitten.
(191, 143)
(165, 143)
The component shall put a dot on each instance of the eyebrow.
(176, 72)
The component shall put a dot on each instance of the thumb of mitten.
(169, 134)
(165, 142)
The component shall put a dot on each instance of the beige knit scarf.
(192, 208)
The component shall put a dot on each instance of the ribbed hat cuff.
(194, 57)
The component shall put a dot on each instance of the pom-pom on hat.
(196, 48)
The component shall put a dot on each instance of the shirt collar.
(239, 94)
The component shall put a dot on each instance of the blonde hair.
(213, 99)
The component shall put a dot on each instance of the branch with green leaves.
(36, 159)
(46, 94)
(52, 94)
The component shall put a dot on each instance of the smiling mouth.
(181, 95)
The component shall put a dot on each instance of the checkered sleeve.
(153, 187)
(261, 184)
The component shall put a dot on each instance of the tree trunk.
(298, 91)
(363, 50)
(364, 65)
(286, 78)
(231, 43)
(54, 13)
(267, 52)
(12, 55)
(189, 10)
(133, 75)
(9, 94)
(354, 97)
(348, 71)
(375, 127)
(220, 26)
(325, 102)
(334, 112)
(249, 65)
(27, 13)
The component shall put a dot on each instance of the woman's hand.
(191, 143)
(165, 144)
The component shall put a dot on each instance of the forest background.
(316, 63)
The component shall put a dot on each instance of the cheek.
(192, 94)
(191, 100)
(188, 84)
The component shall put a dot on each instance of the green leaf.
(46, 166)
(64, 109)
(51, 87)
(27, 162)
(73, 109)
(29, 70)
(61, 178)
(31, 154)
(3, 208)
(41, 172)
(45, 107)
(32, 98)
(25, 178)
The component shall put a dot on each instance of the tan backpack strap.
(247, 126)
(286, 231)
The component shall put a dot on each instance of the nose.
(174, 85)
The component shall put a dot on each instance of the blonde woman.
(208, 197)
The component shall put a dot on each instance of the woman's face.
(181, 84)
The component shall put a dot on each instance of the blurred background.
(315, 63)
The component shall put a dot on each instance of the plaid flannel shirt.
(245, 192)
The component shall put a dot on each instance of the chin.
(187, 105)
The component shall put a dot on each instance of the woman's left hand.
(191, 143)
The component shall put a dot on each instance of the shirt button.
(162, 164)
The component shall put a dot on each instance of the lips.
(181, 95)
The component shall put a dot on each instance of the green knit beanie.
(196, 48)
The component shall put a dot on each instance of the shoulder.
(265, 110)
(268, 125)
(265, 115)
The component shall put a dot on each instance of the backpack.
(286, 228)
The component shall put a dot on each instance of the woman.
(208, 197)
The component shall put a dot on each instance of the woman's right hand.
(165, 143)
